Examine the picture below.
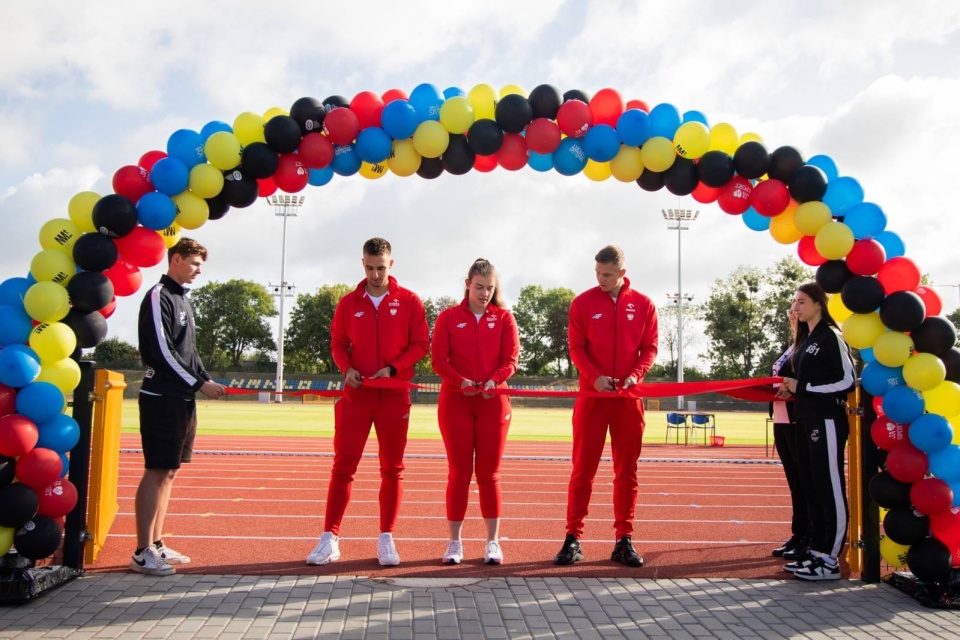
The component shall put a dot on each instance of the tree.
(231, 319)
(116, 354)
(955, 319)
(307, 341)
(433, 307)
(669, 336)
(542, 318)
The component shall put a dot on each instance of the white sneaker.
(493, 553)
(327, 550)
(454, 553)
(151, 563)
(171, 556)
(387, 551)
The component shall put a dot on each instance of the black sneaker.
(799, 563)
(789, 545)
(818, 570)
(624, 553)
(799, 552)
(570, 552)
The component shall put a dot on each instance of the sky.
(85, 90)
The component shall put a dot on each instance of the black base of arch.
(929, 595)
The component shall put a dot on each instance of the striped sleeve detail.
(168, 357)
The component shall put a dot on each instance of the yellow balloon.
(59, 233)
(483, 98)
(64, 374)
(456, 114)
(924, 371)
(691, 140)
(512, 88)
(834, 240)
(893, 348)
(248, 128)
(893, 553)
(861, 330)
(955, 423)
(723, 137)
(53, 265)
(750, 137)
(658, 154)
(373, 171)
(274, 111)
(80, 210)
(192, 210)
(627, 166)
(223, 150)
(430, 139)
(597, 171)
(6, 539)
(838, 310)
(206, 180)
(170, 235)
(404, 160)
(944, 399)
(53, 340)
(783, 227)
(46, 302)
(811, 216)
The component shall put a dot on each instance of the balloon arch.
(94, 255)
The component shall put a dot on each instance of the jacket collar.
(392, 288)
(173, 285)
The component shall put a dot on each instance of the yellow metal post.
(104, 459)
(854, 487)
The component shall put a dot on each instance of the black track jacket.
(824, 372)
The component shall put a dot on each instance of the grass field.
(296, 419)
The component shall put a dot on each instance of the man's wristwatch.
(393, 370)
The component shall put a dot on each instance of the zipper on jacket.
(613, 373)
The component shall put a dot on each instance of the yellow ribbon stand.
(854, 486)
(104, 459)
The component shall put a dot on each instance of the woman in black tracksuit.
(824, 374)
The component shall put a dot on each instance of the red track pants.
(474, 431)
(591, 417)
(352, 428)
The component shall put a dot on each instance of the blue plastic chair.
(677, 422)
(705, 423)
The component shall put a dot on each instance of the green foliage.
(667, 317)
(307, 341)
(955, 319)
(231, 320)
(433, 307)
(115, 353)
(542, 318)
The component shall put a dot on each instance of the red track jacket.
(616, 339)
(368, 339)
(464, 349)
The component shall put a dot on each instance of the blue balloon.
(65, 461)
(892, 244)
(186, 146)
(695, 116)
(633, 125)
(754, 220)
(569, 159)
(602, 143)
(664, 121)
(903, 405)
(842, 193)
(212, 127)
(825, 164)
(19, 365)
(320, 177)
(867, 355)
(30, 280)
(61, 433)
(930, 433)
(945, 464)
(955, 487)
(15, 325)
(453, 92)
(40, 401)
(346, 162)
(170, 176)
(877, 379)
(12, 291)
(427, 100)
(541, 162)
(399, 119)
(866, 220)
(374, 145)
(156, 210)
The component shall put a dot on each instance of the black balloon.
(935, 335)
(888, 492)
(218, 206)
(8, 470)
(38, 538)
(929, 560)
(20, 503)
(485, 137)
(681, 178)
(114, 215)
(282, 133)
(951, 360)
(309, 114)
(903, 311)
(715, 168)
(514, 113)
(862, 294)
(832, 275)
(576, 94)
(808, 183)
(458, 159)
(332, 102)
(430, 168)
(545, 101)
(650, 180)
(240, 189)
(784, 161)
(90, 291)
(94, 252)
(259, 160)
(905, 526)
(751, 160)
(90, 328)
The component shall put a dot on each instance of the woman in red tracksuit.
(475, 348)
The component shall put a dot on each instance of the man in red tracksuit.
(613, 339)
(379, 330)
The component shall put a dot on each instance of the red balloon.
(574, 118)
(341, 125)
(8, 400)
(887, 434)
(126, 278)
(108, 310)
(807, 250)
(266, 187)
(606, 106)
(770, 197)
(543, 136)
(638, 104)
(141, 247)
(704, 194)
(907, 464)
(930, 496)
(57, 499)
(878, 406)
(17, 435)
(39, 468)
(931, 299)
(899, 274)
(734, 197)
(291, 176)
(866, 257)
(315, 151)
(131, 182)
(394, 94)
(367, 105)
(485, 164)
(150, 158)
(945, 527)
(513, 153)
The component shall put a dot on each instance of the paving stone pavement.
(197, 606)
